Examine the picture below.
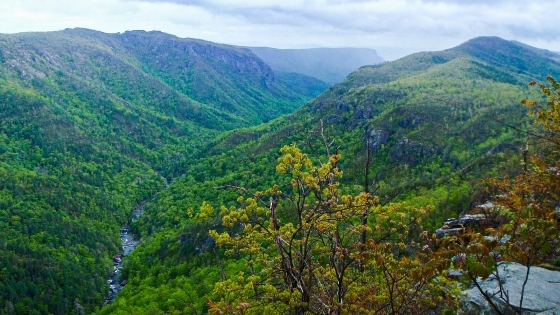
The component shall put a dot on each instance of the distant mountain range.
(330, 65)
(430, 102)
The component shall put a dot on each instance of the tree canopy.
(311, 248)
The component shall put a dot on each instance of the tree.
(311, 249)
(527, 205)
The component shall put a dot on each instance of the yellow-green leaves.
(316, 250)
(547, 115)
(526, 228)
(292, 161)
(206, 210)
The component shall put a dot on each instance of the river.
(128, 244)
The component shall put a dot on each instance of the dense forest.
(91, 125)
(95, 124)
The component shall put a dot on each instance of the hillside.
(436, 123)
(450, 105)
(330, 65)
(90, 127)
(209, 82)
(93, 125)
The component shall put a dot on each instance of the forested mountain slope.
(451, 108)
(90, 125)
(436, 123)
(208, 84)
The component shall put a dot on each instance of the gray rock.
(542, 292)
(444, 231)
(377, 138)
(455, 226)
(363, 112)
(454, 274)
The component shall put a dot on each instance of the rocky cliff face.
(541, 292)
(164, 50)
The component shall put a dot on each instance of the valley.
(91, 124)
(94, 124)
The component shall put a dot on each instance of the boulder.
(542, 292)
(456, 225)
(481, 217)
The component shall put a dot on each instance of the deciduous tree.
(310, 251)
(528, 206)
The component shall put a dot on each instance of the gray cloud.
(401, 25)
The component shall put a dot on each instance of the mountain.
(90, 127)
(230, 85)
(95, 125)
(436, 123)
(452, 105)
(330, 65)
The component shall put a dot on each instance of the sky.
(394, 28)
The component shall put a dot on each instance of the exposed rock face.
(169, 51)
(481, 217)
(456, 225)
(376, 139)
(542, 292)
(364, 112)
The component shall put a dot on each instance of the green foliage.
(62, 202)
(526, 210)
(446, 118)
(90, 124)
(166, 276)
(313, 249)
(547, 115)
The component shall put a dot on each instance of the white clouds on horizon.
(404, 25)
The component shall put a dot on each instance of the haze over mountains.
(93, 124)
(330, 65)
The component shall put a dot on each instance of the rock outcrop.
(542, 292)
(481, 217)
(376, 138)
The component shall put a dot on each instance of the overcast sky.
(393, 27)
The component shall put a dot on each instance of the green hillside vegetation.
(94, 124)
(90, 126)
(436, 123)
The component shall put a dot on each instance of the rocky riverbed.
(128, 244)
